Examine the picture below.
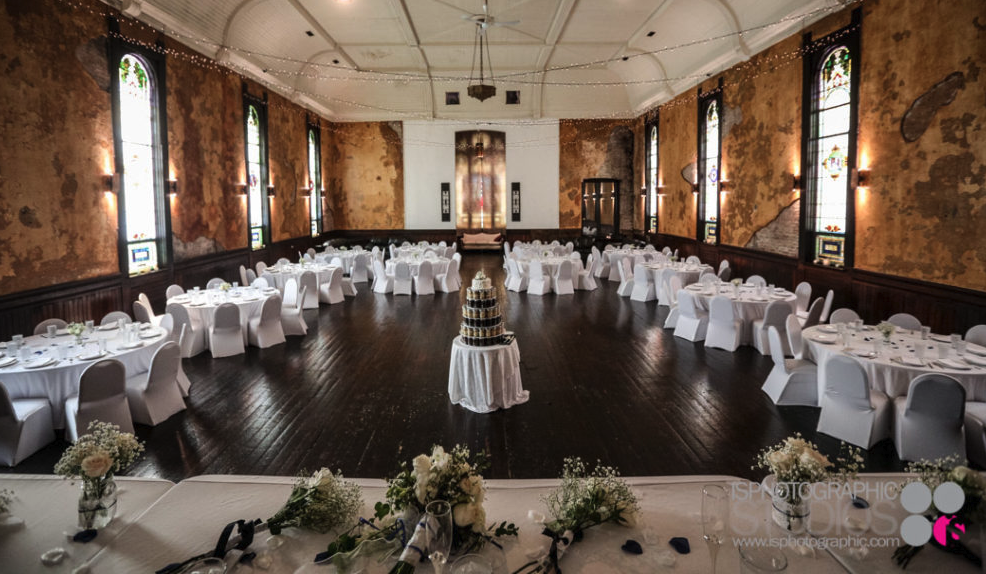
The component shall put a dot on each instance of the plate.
(952, 364)
(974, 349)
(827, 339)
(694, 287)
(133, 345)
(90, 356)
(38, 363)
(6, 362)
(862, 353)
(109, 327)
(200, 304)
(828, 329)
(181, 299)
(909, 361)
(150, 334)
(942, 338)
(981, 361)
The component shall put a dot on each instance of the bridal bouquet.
(956, 524)
(319, 502)
(584, 499)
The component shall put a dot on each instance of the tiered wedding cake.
(482, 325)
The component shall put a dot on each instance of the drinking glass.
(955, 337)
(439, 523)
(120, 324)
(210, 565)
(919, 351)
(715, 518)
(19, 339)
(943, 350)
(960, 348)
(761, 560)
(925, 331)
(52, 330)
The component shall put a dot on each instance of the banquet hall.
(833, 143)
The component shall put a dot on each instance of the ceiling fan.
(485, 20)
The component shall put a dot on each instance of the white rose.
(479, 524)
(97, 464)
(464, 514)
(439, 458)
(422, 464)
(630, 518)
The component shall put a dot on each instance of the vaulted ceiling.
(354, 60)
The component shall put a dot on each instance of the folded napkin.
(976, 349)
(7, 361)
(823, 338)
(91, 355)
(910, 361)
(953, 364)
(828, 329)
(109, 327)
(981, 361)
(942, 338)
(861, 352)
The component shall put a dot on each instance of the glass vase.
(790, 514)
(97, 504)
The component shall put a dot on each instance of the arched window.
(315, 179)
(652, 162)
(139, 163)
(255, 115)
(830, 151)
(708, 205)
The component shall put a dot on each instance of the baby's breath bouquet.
(225, 286)
(584, 499)
(886, 329)
(75, 329)
(6, 497)
(319, 502)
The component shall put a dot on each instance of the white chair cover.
(243, 276)
(331, 291)
(724, 327)
(113, 316)
(141, 313)
(102, 397)
(674, 285)
(693, 260)
(42, 327)
(261, 283)
(975, 432)
(226, 334)
(261, 267)
(851, 410)
(976, 335)
(292, 319)
(310, 251)
(794, 341)
(791, 381)
(725, 273)
(25, 427)
(308, 279)
(382, 281)
(843, 316)
(826, 306)
(569, 247)
(587, 278)
(154, 396)
(265, 330)
(905, 321)
(756, 280)
(403, 283)
(194, 342)
(283, 261)
(174, 291)
(563, 283)
(626, 278)
(663, 289)
(724, 264)
(184, 383)
(517, 280)
(814, 314)
(358, 273)
(643, 284)
(251, 277)
(692, 322)
(448, 282)
(928, 421)
(538, 282)
(155, 319)
(802, 297)
(775, 315)
(424, 281)
(215, 283)
(269, 278)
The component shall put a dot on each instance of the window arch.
(709, 168)
(255, 125)
(315, 179)
(652, 179)
(140, 160)
(830, 149)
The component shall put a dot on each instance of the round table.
(202, 305)
(892, 370)
(687, 272)
(347, 257)
(484, 379)
(748, 306)
(59, 380)
(281, 274)
(438, 265)
(614, 256)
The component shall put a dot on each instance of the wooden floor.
(367, 388)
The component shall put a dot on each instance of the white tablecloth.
(484, 379)
(687, 272)
(347, 258)
(60, 380)
(748, 307)
(438, 265)
(202, 306)
(884, 372)
(616, 255)
(293, 271)
(48, 506)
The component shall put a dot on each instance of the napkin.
(981, 361)
(6, 362)
(823, 338)
(90, 356)
(942, 338)
(861, 353)
(976, 349)
(953, 364)
(680, 545)
(910, 361)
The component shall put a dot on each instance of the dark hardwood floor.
(367, 388)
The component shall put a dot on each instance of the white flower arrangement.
(886, 329)
(319, 502)
(76, 329)
(6, 498)
(225, 286)
(102, 450)
(737, 282)
(796, 461)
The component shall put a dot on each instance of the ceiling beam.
(558, 22)
(411, 36)
(317, 26)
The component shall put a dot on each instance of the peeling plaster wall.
(288, 143)
(365, 169)
(678, 152)
(596, 148)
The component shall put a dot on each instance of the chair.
(424, 281)
(626, 278)
(42, 327)
(791, 381)
(243, 276)
(292, 319)
(538, 281)
(506, 252)
(643, 284)
(154, 396)
(102, 397)
(155, 319)
(776, 314)
(843, 315)
(928, 421)
(308, 279)
(141, 313)
(756, 281)
(725, 273)
(814, 314)
(448, 282)
(563, 283)
(975, 432)
(976, 335)
(331, 291)
(283, 261)
(569, 247)
(261, 267)
(215, 283)
(724, 264)
(663, 288)
(693, 260)
(794, 341)
(602, 270)
(724, 327)
(674, 285)
(310, 252)
(905, 321)
(194, 336)
(113, 317)
(174, 291)
(827, 306)
(666, 251)
(383, 282)
(266, 330)
(25, 427)
(251, 276)
(517, 281)
(184, 383)
(693, 323)
(358, 273)
(403, 283)
(586, 280)
(260, 283)
(851, 410)
(268, 277)
(226, 333)
(802, 298)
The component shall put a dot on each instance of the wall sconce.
(796, 183)
(172, 187)
(660, 191)
(270, 191)
(695, 188)
(240, 189)
(725, 186)
(109, 183)
(643, 191)
(863, 177)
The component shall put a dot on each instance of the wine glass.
(715, 518)
(439, 523)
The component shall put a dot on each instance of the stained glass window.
(256, 176)
(652, 158)
(315, 181)
(709, 177)
(830, 145)
(139, 153)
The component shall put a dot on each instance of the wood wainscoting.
(875, 296)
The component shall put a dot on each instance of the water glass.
(18, 339)
(919, 351)
(25, 353)
(236, 284)
(62, 352)
(955, 338)
(960, 348)
(846, 338)
(12, 348)
(876, 347)
(715, 519)
(52, 330)
(102, 345)
(195, 289)
(439, 522)
(120, 324)
(943, 350)
(925, 331)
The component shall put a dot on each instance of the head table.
(159, 523)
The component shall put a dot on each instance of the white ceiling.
(395, 59)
